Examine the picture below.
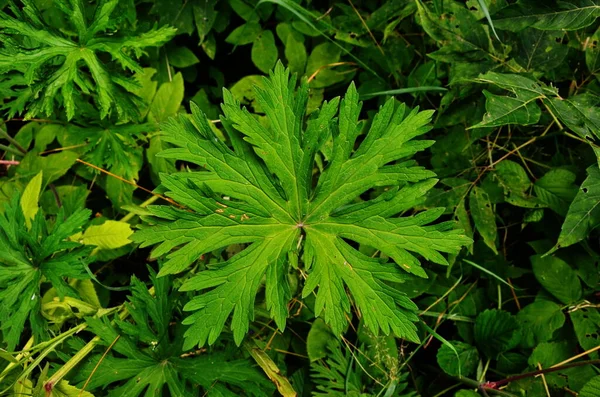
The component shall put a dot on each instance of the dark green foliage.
(287, 197)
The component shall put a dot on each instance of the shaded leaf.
(496, 331)
(557, 277)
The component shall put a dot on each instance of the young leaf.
(29, 257)
(109, 235)
(30, 198)
(259, 192)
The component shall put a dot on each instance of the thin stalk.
(10, 150)
(4, 134)
(494, 385)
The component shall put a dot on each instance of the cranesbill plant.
(260, 192)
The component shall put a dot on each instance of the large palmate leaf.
(260, 193)
(47, 67)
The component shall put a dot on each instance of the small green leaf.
(503, 110)
(557, 277)
(586, 322)
(538, 321)
(109, 235)
(549, 353)
(467, 361)
(64, 389)
(322, 55)
(181, 57)
(167, 100)
(496, 331)
(584, 211)
(317, 340)
(264, 51)
(540, 50)
(30, 198)
(483, 216)
(244, 34)
(556, 189)
(516, 184)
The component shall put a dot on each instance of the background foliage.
(104, 103)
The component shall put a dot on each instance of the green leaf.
(114, 148)
(322, 55)
(205, 16)
(64, 389)
(483, 216)
(503, 110)
(538, 321)
(556, 189)
(564, 15)
(271, 370)
(586, 322)
(496, 331)
(244, 34)
(150, 357)
(181, 57)
(30, 198)
(295, 51)
(259, 193)
(592, 388)
(557, 277)
(264, 51)
(109, 235)
(50, 64)
(540, 50)
(54, 165)
(513, 178)
(29, 258)
(460, 36)
(584, 212)
(592, 52)
(167, 100)
(581, 115)
(467, 361)
(317, 340)
(548, 354)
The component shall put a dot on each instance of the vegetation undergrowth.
(278, 197)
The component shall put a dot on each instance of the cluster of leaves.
(363, 198)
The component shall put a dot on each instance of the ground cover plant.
(278, 197)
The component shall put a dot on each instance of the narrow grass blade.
(444, 341)
(486, 12)
(399, 91)
(483, 269)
